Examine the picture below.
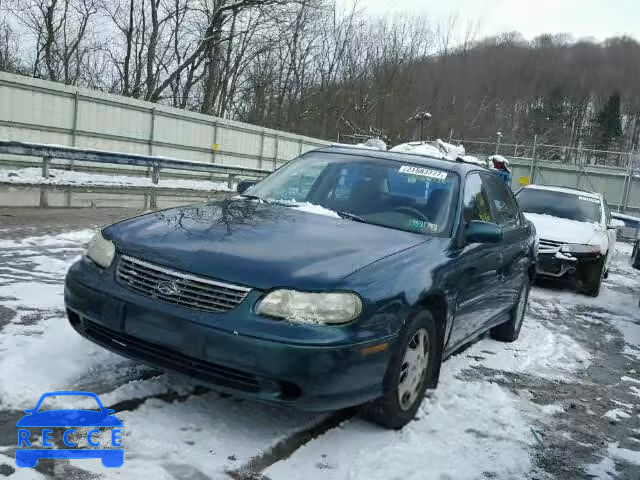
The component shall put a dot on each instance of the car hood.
(69, 418)
(256, 244)
(564, 230)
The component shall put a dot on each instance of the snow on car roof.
(572, 191)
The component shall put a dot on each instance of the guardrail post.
(275, 153)
(152, 130)
(231, 180)
(155, 174)
(261, 149)
(74, 125)
(532, 172)
(215, 142)
(153, 200)
(627, 193)
(46, 164)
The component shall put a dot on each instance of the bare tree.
(60, 30)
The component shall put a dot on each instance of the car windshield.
(560, 204)
(382, 192)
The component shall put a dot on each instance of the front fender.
(396, 286)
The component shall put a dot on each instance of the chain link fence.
(561, 154)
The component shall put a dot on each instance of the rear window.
(581, 208)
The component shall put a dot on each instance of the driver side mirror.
(244, 185)
(482, 232)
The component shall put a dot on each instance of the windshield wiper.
(351, 216)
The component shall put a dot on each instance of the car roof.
(414, 158)
(571, 191)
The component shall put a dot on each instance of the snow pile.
(34, 289)
(437, 149)
(317, 209)
(71, 239)
(450, 150)
(375, 144)
(606, 469)
(419, 148)
(33, 176)
(308, 207)
(467, 430)
(539, 351)
(371, 144)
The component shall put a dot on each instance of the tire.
(592, 279)
(510, 330)
(635, 258)
(389, 410)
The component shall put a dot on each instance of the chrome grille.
(178, 288)
(549, 246)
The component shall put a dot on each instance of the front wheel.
(592, 279)
(411, 370)
(510, 330)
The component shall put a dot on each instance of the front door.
(515, 245)
(479, 269)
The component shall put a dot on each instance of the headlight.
(101, 250)
(578, 248)
(305, 307)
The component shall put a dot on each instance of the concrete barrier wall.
(39, 111)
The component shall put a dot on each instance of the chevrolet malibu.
(343, 278)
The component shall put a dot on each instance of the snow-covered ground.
(500, 410)
(33, 176)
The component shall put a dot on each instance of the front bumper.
(312, 368)
(557, 265)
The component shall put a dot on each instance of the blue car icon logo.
(100, 428)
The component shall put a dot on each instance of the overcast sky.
(581, 18)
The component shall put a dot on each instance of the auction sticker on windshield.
(589, 199)
(424, 172)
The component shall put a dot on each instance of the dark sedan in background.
(343, 278)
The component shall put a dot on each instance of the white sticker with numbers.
(424, 172)
(589, 199)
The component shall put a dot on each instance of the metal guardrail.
(51, 152)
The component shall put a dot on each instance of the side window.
(503, 203)
(475, 204)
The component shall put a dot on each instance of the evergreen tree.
(608, 123)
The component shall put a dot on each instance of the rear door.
(478, 268)
(515, 259)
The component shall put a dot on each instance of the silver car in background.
(576, 234)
